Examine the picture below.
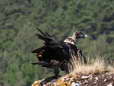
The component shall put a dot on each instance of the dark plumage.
(57, 53)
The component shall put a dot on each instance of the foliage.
(20, 18)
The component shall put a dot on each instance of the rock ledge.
(100, 79)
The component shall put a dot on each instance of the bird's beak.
(86, 35)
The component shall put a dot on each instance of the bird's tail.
(34, 63)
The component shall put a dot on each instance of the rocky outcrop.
(96, 73)
(101, 79)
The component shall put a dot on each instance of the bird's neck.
(70, 40)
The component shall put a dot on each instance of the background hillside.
(20, 18)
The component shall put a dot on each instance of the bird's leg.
(56, 71)
(64, 67)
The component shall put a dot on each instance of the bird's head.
(76, 35)
(79, 35)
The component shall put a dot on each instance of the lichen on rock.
(104, 79)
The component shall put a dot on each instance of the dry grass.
(93, 67)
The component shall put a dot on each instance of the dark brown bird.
(57, 53)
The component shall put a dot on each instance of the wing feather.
(49, 40)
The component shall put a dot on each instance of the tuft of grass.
(94, 66)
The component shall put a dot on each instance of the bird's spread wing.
(49, 40)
